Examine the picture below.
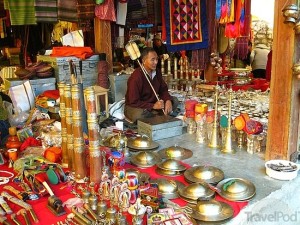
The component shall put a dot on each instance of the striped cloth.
(86, 9)
(67, 10)
(46, 10)
(22, 12)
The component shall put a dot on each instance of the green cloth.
(46, 10)
(22, 12)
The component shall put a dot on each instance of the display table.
(63, 192)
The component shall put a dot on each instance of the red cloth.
(54, 94)
(80, 52)
(237, 206)
(30, 141)
(269, 66)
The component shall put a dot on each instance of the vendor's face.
(150, 61)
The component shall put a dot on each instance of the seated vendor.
(140, 100)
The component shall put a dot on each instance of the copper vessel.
(62, 107)
(78, 141)
(94, 137)
(68, 105)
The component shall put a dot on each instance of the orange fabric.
(80, 52)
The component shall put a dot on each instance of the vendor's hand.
(168, 107)
(159, 105)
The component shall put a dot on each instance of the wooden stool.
(99, 91)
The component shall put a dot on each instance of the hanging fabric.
(22, 12)
(86, 9)
(106, 11)
(67, 10)
(46, 11)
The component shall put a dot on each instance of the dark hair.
(146, 51)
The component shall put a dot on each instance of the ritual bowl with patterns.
(145, 159)
(212, 211)
(196, 190)
(168, 188)
(236, 189)
(175, 152)
(172, 165)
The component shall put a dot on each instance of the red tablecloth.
(62, 191)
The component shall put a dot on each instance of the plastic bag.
(16, 116)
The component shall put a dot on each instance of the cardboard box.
(38, 85)
(62, 69)
(160, 127)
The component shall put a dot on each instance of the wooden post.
(282, 142)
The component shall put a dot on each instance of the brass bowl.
(168, 188)
(196, 190)
(175, 152)
(172, 165)
(145, 159)
(208, 174)
(212, 211)
(141, 143)
(168, 173)
(236, 189)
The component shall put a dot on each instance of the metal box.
(160, 127)
(118, 87)
(38, 85)
(62, 69)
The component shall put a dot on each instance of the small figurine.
(105, 185)
(124, 197)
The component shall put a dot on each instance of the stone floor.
(238, 165)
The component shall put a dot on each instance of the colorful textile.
(46, 10)
(67, 10)
(187, 26)
(22, 12)
(86, 9)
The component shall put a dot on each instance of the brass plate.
(208, 174)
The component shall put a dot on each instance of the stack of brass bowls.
(141, 143)
(212, 211)
(145, 159)
(236, 189)
(175, 152)
(208, 174)
(193, 192)
(170, 167)
(168, 188)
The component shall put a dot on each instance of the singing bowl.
(212, 211)
(208, 174)
(145, 159)
(172, 165)
(141, 143)
(236, 189)
(196, 190)
(168, 188)
(175, 152)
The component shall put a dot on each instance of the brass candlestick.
(214, 138)
(227, 148)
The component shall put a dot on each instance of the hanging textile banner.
(186, 25)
